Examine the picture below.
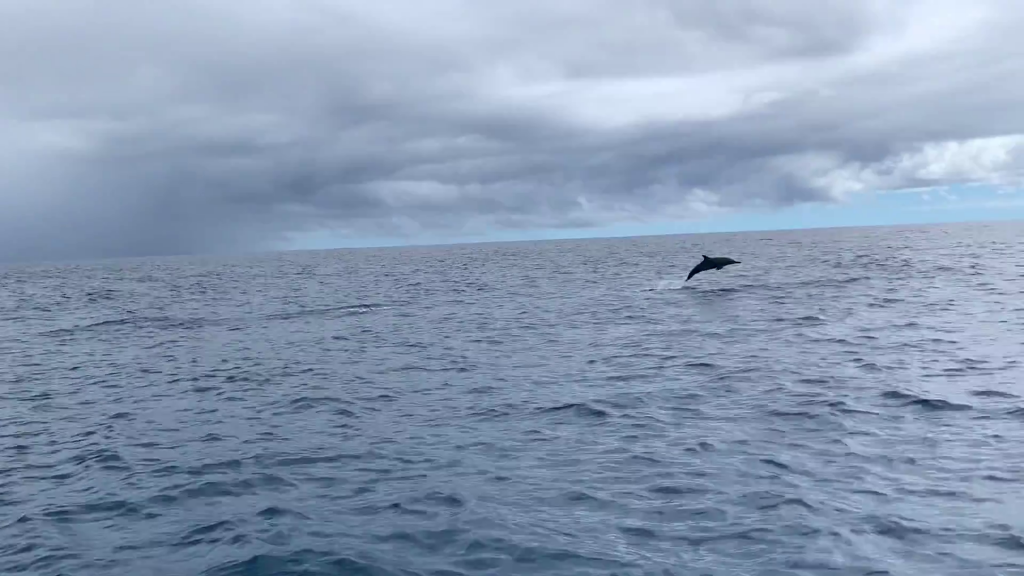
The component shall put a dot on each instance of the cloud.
(130, 128)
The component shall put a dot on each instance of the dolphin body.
(710, 264)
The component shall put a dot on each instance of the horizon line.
(454, 243)
(629, 236)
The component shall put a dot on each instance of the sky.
(131, 128)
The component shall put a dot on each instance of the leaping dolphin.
(710, 264)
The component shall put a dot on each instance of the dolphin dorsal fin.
(705, 256)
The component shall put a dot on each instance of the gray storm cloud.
(131, 128)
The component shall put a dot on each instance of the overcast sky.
(137, 128)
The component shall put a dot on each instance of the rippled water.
(842, 402)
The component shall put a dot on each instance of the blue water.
(842, 402)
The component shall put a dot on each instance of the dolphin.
(710, 264)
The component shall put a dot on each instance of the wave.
(931, 404)
(342, 310)
(297, 563)
(161, 322)
(581, 409)
(176, 323)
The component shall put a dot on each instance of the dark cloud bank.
(135, 128)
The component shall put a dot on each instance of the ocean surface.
(844, 402)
